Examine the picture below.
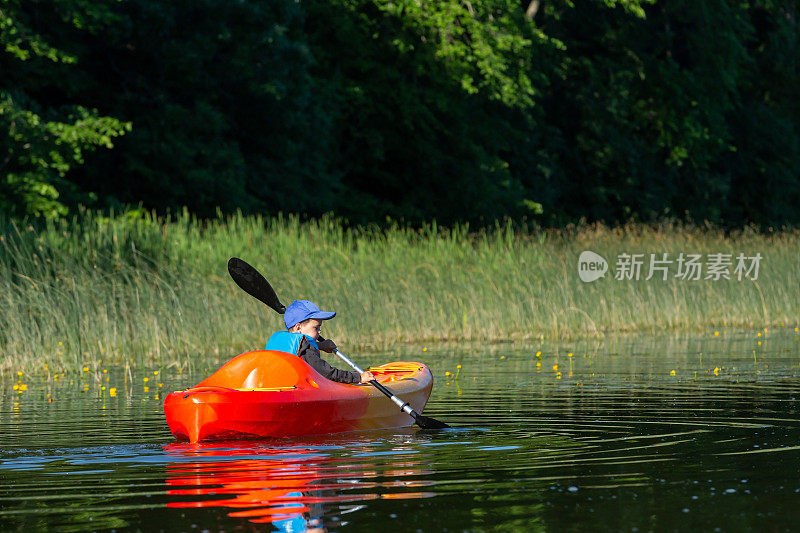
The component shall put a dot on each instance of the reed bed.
(136, 289)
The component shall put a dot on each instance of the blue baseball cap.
(300, 310)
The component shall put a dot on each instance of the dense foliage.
(451, 110)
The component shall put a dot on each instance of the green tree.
(661, 115)
(427, 98)
(44, 135)
(226, 114)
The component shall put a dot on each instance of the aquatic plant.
(134, 288)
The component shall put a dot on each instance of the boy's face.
(311, 327)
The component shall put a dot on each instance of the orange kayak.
(276, 394)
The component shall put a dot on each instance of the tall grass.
(135, 288)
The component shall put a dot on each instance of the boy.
(303, 322)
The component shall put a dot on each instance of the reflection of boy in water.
(299, 522)
(303, 321)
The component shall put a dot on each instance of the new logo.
(591, 266)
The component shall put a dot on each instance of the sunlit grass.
(133, 289)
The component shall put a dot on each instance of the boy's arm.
(310, 355)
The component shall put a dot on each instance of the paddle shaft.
(404, 406)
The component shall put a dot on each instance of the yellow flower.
(15, 387)
(24, 386)
(539, 353)
(716, 333)
(502, 357)
(19, 373)
(86, 369)
(424, 349)
(112, 392)
(105, 371)
(155, 372)
(146, 389)
(558, 375)
(716, 371)
(538, 364)
(569, 354)
(60, 343)
(555, 367)
(671, 372)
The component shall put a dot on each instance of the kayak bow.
(276, 394)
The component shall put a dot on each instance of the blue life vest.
(284, 341)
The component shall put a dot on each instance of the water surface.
(632, 434)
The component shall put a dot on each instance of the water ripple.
(618, 445)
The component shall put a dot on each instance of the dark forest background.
(458, 111)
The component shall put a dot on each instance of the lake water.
(632, 434)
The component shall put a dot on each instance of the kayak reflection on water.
(290, 488)
(265, 485)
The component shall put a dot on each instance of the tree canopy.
(453, 110)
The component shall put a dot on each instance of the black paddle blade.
(254, 284)
(426, 422)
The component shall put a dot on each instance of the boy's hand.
(367, 376)
(327, 346)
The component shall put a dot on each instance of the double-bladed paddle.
(253, 283)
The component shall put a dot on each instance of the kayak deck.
(276, 394)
